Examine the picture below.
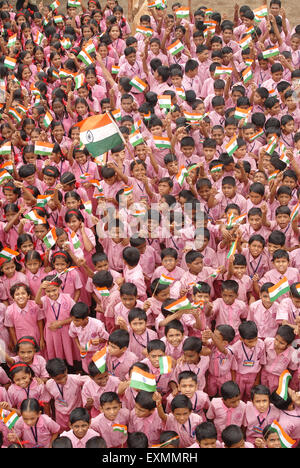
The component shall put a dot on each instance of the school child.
(61, 262)
(10, 271)
(80, 431)
(159, 293)
(88, 333)
(257, 261)
(169, 265)
(128, 296)
(264, 313)
(145, 418)
(111, 414)
(227, 409)
(233, 437)
(206, 436)
(37, 429)
(133, 272)
(269, 438)
(280, 355)
(64, 389)
(259, 413)
(237, 272)
(119, 358)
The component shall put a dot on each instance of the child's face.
(232, 402)
(239, 271)
(218, 135)
(80, 322)
(9, 269)
(280, 344)
(273, 247)
(283, 220)
(138, 326)
(111, 409)
(187, 387)
(255, 222)
(265, 299)
(114, 350)
(281, 264)
(128, 300)
(209, 153)
(191, 357)
(251, 343)
(284, 199)
(21, 296)
(141, 412)
(172, 168)
(161, 296)
(208, 443)
(181, 415)
(26, 352)
(228, 296)
(296, 301)
(22, 379)
(52, 292)
(187, 151)
(102, 266)
(60, 265)
(261, 402)
(61, 379)
(101, 379)
(74, 223)
(255, 198)
(174, 337)
(154, 356)
(196, 266)
(169, 263)
(229, 190)
(200, 296)
(80, 428)
(273, 440)
(31, 417)
(255, 248)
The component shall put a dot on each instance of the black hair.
(119, 338)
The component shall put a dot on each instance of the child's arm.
(86, 241)
(158, 399)
(276, 30)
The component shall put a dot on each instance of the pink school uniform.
(219, 370)
(174, 351)
(229, 314)
(200, 402)
(248, 363)
(104, 427)
(7, 283)
(162, 380)
(138, 343)
(79, 443)
(273, 276)
(59, 343)
(92, 390)
(287, 311)
(119, 366)
(290, 421)
(71, 281)
(94, 329)
(121, 311)
(17, 394)
(255, 421)
(265, 319)
(185, 431)
(199, 369)
(38, 436)
(135, 275)
(151, 426)
(277, 363)
(24, 321)
(223, 416)
(34, 279)
(38, 366)
(66, 397)
(245, 287)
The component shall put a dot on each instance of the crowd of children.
(150, 296)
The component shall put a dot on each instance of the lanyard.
(114, 366)
(141, 344)
(190, 428)
(248, 358)
(260, 422)
(256, 268)
(60, 389)
(82, 169)
(34, 433)
(64, 285)
(56, 315)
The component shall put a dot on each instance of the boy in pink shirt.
(144, 417)
(133, 272)
(228, 409)
(250, 356)
(118, 358)
(128, 296)
(264, 313)
(237, 272)
(80, 431)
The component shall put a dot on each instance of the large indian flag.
(142, 380)
(280, 288)
(285, 440)
(99, 360)
(182, 303)
(283, 384)
(99, 133)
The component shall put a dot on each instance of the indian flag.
(138, 84)
(164, 101)
(66, 43)
(232, 249)
(74, 3)
(223, 71)
(182, 303)
(209, 29)
(137, 213)
(182, 174)
(161, 142)
(104, 292)
(12, 40)
(295, 212)
(42, 200)
(8, 253)
(280, 288)
(283, 384)
(261, 11)
(63, 73)
(164, 279)
(247, 75)
(233, 221)
(283, 157)
(240, 113)
(35, 217)
(128, 190)
(79, 80)
(90, 47)
(54, 5)
(58, 19)
(182, 12)
(85, 57)
(75, 240)
(298, 288)
(4, 175)
(175, 48)
(193, 116)
(165, 364)
(217, 168)
(142, 380)
(15, 114)
(148, 32)
(10, 62)
(43, 148)
(180, 93)
(272, 144)
(258, 134)
(136, 138)
(285, 440)
(99, 360)
(167, 442)
(231, 146)
(99, 133)
(47, 119)
(5, 148)
(50, 238)
(88, 206)
(11, 419)
(96, 183)
(272, 52)
(115, 69)
(244, 43)
(38, 38)
(119, 428)
(273, 175)
(117, 114)
(7, 165)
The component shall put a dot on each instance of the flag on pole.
(182, 174)
(10, 62)
(42, 200)
(99, 134)
(47, 119)
(232, 249)
(283, 384)
(272, 52)
(138, 84)
(244, 43)
(99, 360)
(12, 41)
(75, 240)
(35, 217)
(272, 144)
(261, 11)
(161, 142)
(79, 80)
(142, 380)
(5, 149)
(182, 12)
(85, 57)
(247, 74)
(43, 148)
(104, 292)
(280, 288)
(256, 135)
(136, 138)
(10, 420)
(223, 71)
(180, 93)
(4, 175)
(115, 69)
(54, 5)
(120, 428)
(148, 32)
(295, 212)
(240, 113)
(164, 101)
(164, 279)
(15, 114)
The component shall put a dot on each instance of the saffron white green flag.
(283, 384)
(99, 360)
(280, 288)
(50, 238)
(142, 380)
(285, 440)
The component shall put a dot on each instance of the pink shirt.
(265, 319)
(185, 431)
(273, 276)
(199, 369)
(104, 427)
(135, 275)
(138, 343)
(38, 366)
(17, 394)
(151, 426)
(121, 311)
(277, 363)
(220, 364)
(229, 314)
(92, 390)
(289, 420)
(223, 416)
(119, 366)
(24, 321)
(287, 311)
(255, 421)
(79, 443)
(40, 436)
(248, 360)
